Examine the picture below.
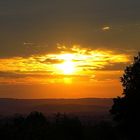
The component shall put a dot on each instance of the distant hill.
(84, 108)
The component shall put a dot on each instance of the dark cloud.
(52, 61)
(47, 22)
(11, 75)
(16, 75)
(115, 66)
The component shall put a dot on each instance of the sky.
(66, 48)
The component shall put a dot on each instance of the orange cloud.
(74, 61)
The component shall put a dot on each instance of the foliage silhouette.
(36, 127)
(125, 109)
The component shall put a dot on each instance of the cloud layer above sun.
(35, 26)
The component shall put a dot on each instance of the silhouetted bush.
(67, 128)
(32, 127)
(125, 109)
(36, 127)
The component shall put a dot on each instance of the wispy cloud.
(106, 28)
(86, 62)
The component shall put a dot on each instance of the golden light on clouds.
(66, 63)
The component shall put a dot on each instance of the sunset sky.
(66, 48)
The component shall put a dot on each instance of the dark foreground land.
(85, 109)
(61, 119)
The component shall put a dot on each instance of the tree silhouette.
(125, 109)
(35, 126)
(66, 127)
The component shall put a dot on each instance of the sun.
(68, 66)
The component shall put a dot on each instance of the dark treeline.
(36, 126)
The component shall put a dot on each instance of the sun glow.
(68, 66)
